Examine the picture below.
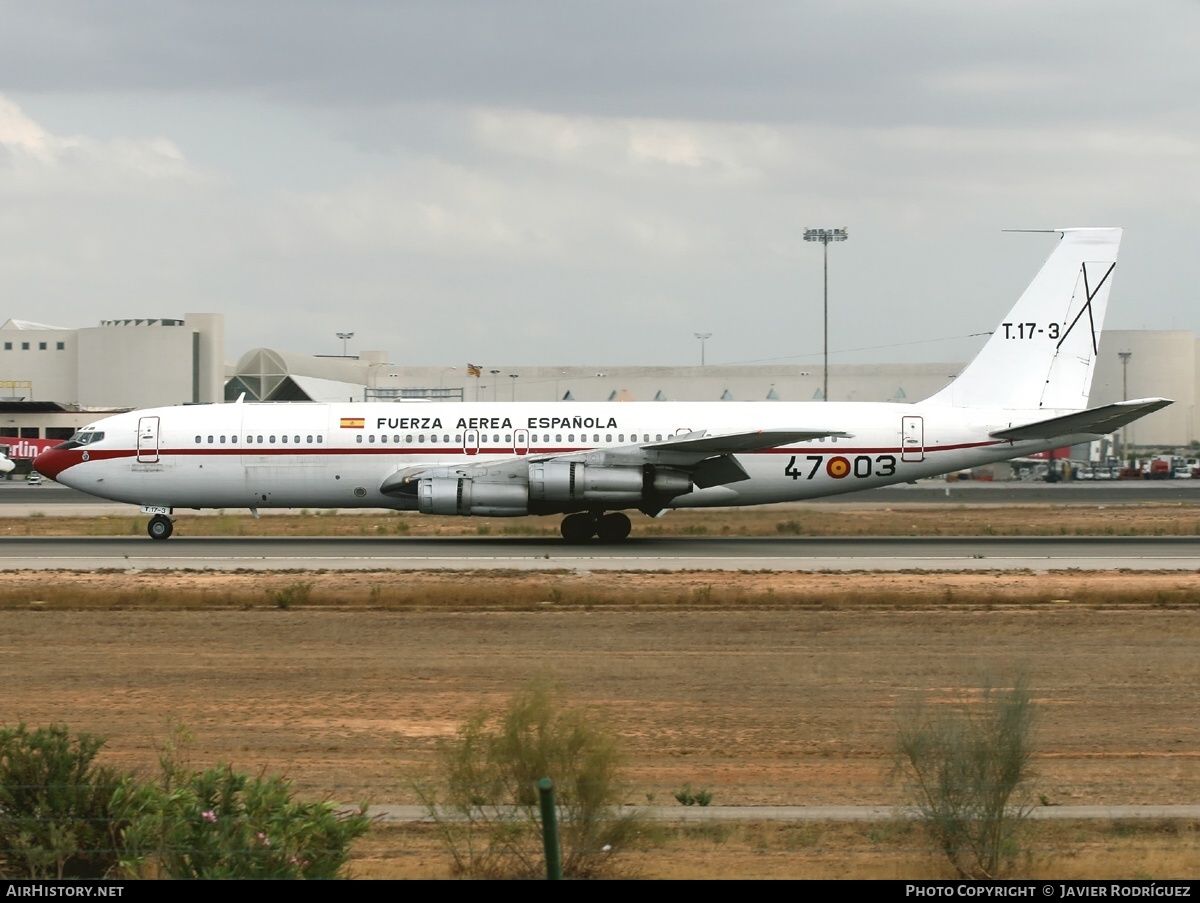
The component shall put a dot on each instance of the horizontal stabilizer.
(1097, 421)
(735, 443)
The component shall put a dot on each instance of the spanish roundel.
(838, 467)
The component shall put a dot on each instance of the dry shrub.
(968, 767)
(490, 819)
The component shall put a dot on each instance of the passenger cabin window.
(358, 438)
(198, 440)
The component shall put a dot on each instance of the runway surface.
(55, 498)
(687, 553)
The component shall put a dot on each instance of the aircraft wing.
(708, 459)
(1096, 421)
(734, 443)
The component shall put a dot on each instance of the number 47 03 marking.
(860, 466)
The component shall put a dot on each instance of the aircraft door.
(912, 439)
(471, 442)
(521, 442)
(147, 440)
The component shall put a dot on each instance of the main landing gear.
(611, 527)
(160, 527)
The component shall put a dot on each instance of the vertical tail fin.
(1043, 354)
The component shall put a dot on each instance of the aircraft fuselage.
(341, 455)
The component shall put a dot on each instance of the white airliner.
(1025, 392)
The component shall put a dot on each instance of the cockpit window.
(83, 437)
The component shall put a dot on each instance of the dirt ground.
(763, 688)
(762, 704)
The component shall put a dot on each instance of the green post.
(550, 830)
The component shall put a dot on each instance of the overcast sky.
(568, 182)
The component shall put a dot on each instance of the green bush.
(220, 823)
(968, 768)
(490, 820)
(56, 813)
(63, 816)
(686, 796)
(292, 594)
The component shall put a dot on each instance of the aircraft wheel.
(613, 527)
(578, 528)
(160, 527)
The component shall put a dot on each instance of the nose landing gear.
(160, 527)
(611, 527)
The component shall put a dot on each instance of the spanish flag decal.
(353, 423)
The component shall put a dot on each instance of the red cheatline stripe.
(449, 448)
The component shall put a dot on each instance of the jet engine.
(460, 495)
(574, 481)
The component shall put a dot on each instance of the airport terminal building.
(1130, 364)
(53, 380)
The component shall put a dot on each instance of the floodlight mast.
(825, 236)
(703, 337)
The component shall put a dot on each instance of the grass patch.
(895, 850)
(555, 590)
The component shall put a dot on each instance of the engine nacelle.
(574, 481)
(459, 495)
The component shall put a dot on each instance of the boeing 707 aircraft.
(1025, 392)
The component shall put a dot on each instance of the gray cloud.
(540, 182)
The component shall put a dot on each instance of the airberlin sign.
(27, 448)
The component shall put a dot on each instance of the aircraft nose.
(54, 461)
